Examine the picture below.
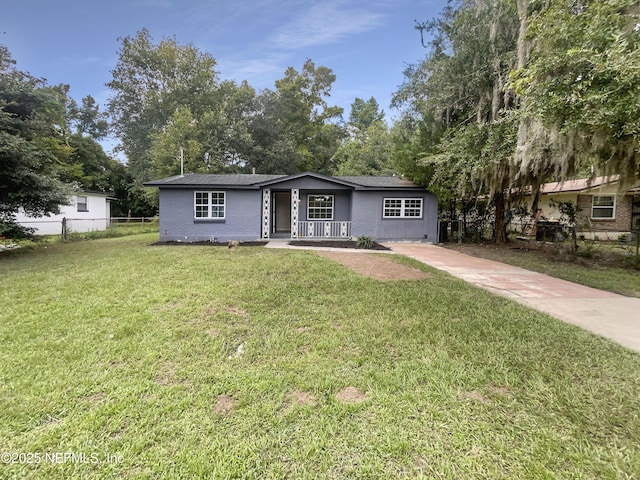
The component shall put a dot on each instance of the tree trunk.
(535, 196)
(501, 226)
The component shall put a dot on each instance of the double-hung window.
(320, 207)
(209, 205)
(82, 204)
(402, 208)
(603, 207)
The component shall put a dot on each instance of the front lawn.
(123, 360)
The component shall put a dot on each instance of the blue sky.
(366, 43)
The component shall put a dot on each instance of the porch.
(323, 229)
(306, 214)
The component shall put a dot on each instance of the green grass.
(592, 266)
(115, 347)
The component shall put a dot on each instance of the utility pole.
(181, 161)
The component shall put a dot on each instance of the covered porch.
(306, 213)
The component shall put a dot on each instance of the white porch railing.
(324, 229)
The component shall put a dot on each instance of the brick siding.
(622, 222)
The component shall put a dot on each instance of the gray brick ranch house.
(245, 207)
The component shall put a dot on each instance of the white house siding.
(96, 217)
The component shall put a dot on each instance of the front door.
(282, 212)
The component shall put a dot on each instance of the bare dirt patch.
(237, 311)
(499, 391)
(214, 309)
(375, 266)
(351, 395)
(167, 374)
(299, 399)
(224, 405)
(95, 398)
(474, 396)
(213, 332)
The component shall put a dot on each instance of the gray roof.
(372, 181)
(201, 179)
(248, 180)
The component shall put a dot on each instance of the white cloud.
(325, 23)
(261, 70)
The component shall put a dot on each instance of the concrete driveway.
(607, 314)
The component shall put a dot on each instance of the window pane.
(402, 207)
(392, 207)
(202, 198)
(320, 207)
(217, 211)
(217, 198)
(202, 211)
(602, 212)
(82, 204)
(391, 212)
(603, 201)
(412, 207)
(209, 204)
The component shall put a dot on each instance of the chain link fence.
(77, 228)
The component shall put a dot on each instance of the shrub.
(364, 242)
(632, 262)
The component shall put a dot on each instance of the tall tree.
(580, 87)
(294, 128)
(461, 89)
(367, 148)
(365, 113)
(88, 119)
(150, 82)
(274, 146)
(29, 138)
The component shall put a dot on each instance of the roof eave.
(191, 186)
(295, 176)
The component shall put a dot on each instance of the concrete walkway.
(607, 314)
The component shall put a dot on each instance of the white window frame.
(211, 194)
(85, 203)
(309, 208)
(403, 207)
(595, 207)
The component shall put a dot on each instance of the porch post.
(295, 197)
(266, 212)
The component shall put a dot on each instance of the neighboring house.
(602, 206)
(244, 207)
(86, 212)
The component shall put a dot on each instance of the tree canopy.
(367, 148)
(509, 93)
(518, 92)
(150, 83)
(29, 143)
(581, 84)
(460, 91)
